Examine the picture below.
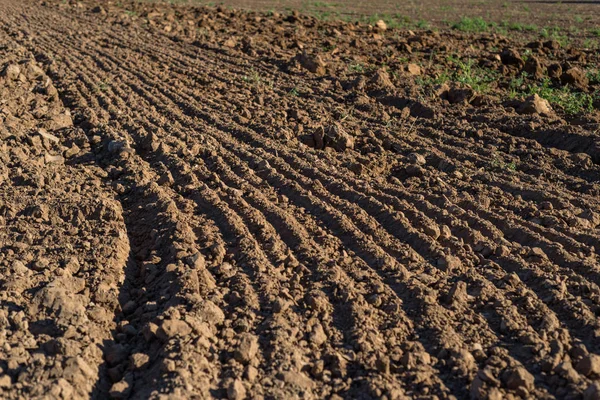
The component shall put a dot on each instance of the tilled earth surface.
(198, 202)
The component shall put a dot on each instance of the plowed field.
(197, 202)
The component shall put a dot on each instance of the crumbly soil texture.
(198, 202)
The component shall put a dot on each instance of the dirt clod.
(534, 104)
(247, 348)
(206, 202)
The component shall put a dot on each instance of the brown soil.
(200, 202)
(522, 17)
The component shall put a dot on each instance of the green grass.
(590, 44)
(570, 101)
(498, 164)
(466, 72)
(356, 67)
(518, 26)
(594, 76)
(555, 34)
(595, 31)
(469, 73)
(422, 24)
(476, 24)
(395, 20)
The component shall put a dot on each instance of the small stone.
(5, 382)
(171, 328)
(445, 232)
(41, 264)
(589, 365)
(196, 261)
(12, 71)
(432, 231)
(236, 390)
(448, 263)
(251, 373)
(19, 268)
(72, 151)
(536, 105)
(502, 251)
(298, 379)
(381, 25)
(337, 138)
(120, 390)
(383, 364)
(413, 69)
(416, 158)
(537, 253)
(51, 159)
(312, 63)
(231, 43)
(139, 360)
(318, 336)
(43, 133)
(281, 305)
(247, 348)
(458, 293)
(519, 378)
(381, 80)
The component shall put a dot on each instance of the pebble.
(520, 378)
(589, 365)
(318, 336)
(12, 71)
(173, 327)
(247, 348)
(416, 158)
(236, 390)
(120, 390)
(432, 231)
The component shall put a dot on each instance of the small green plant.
(590, 43)
(103, 86)
(497, 163)
(294, 92)
(469, 73)
(595, 31)
(594, 76)
(570, 101)
(422, 24)
(578, 19)
(130, 13)
(356, 67)
(526, 8)
(517, 26)
(253, 78)
(476, 24)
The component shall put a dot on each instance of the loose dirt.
(199, 202)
